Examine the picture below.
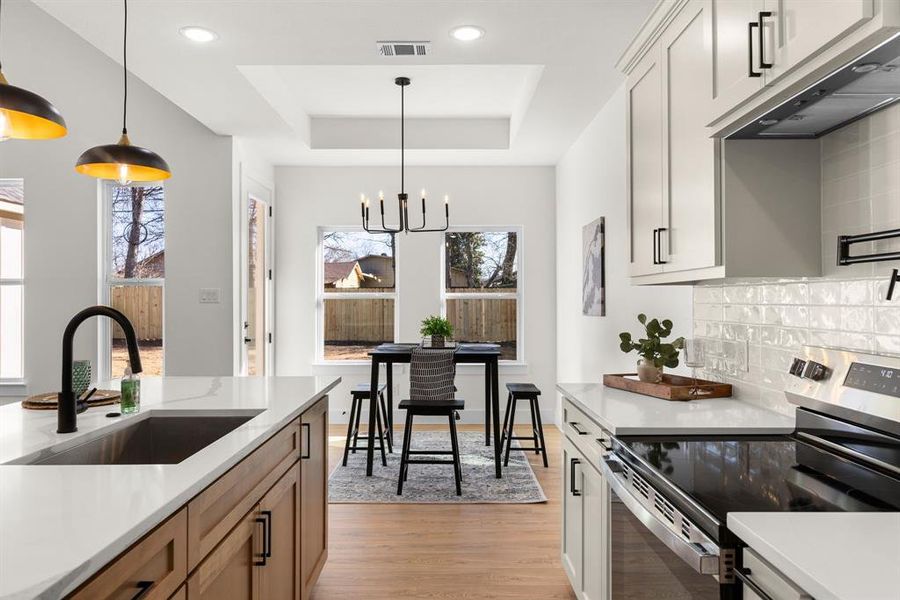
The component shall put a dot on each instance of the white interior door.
(256, 279)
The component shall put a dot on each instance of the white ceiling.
(282, 69)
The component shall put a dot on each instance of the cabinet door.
(645, 151)
(594, 498)
(231, 571)
(572, 515)
(800, 29)
(279, 578)
(690, 237)
(314, 497)
(733, 53)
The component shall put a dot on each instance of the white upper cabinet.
(688, 238)
(645, 163)
(735, 53)
(794, 30)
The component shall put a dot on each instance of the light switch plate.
(210, 295)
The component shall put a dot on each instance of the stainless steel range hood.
(859, 88)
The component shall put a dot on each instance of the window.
(357, 293)
(135, 273)
(12, 288)
(482, 289)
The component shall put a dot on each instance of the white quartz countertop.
(61, 524)
(626, 413)
(832, 556)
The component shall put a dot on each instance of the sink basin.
(156, 439)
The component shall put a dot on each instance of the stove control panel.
(874, 378)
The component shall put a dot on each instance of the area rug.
(433, 484)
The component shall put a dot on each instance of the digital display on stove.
(873, 378)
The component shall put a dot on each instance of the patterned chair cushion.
(431, 375)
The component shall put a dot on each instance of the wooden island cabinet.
(258, 531)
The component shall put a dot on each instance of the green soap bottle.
(131, 392)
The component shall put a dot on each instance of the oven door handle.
(693, 554)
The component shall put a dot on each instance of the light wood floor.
(392, 551)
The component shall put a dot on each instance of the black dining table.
(391, 354)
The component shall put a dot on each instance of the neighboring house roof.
(378, 267)
(335, 271)
(151, 267)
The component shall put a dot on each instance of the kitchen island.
(62, 524)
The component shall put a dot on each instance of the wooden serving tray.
(672, 387)
(48, 401)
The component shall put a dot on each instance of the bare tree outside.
(482, 259)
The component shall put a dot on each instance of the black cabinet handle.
(267, 538)
(762, 41)
(604, 444)
(750, 27)
(143, 587)
(264, 555)
(572, 463)
(659, 245)
(577, 429)
(655, 259)
(744, 575)
(308, 446)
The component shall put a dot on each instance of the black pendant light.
(26, 116)
(402, 197)
(122, 161)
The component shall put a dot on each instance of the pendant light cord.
(124, 71)
(402, 140)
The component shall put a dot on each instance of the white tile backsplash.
(846, 307)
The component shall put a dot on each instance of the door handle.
(743, 574)
(572, 464)
(247, 340)
(308, 443)
(659, 245)
(577, 429)
(762, 41)
(750, 27)
(267, 538)
(143, 587)
(655, 259)
(263, 554)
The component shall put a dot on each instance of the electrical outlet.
(210, 295)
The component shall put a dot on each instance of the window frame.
(106, 281)
(518, 295)
(321, 295)
(19, 282)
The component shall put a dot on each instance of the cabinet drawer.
(218, 508)
(587, 436)
(157, 563)
(775, 585)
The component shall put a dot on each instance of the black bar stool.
(359, 395)
(529, 392)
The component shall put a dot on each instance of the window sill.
(12, 388)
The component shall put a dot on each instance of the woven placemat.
(48, 401)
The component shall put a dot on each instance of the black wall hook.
(895, 277)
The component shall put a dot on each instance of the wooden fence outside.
(142, 304)
(363, 320)
(483, 319)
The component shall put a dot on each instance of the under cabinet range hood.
(859, 88)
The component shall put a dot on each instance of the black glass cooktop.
(780, 473)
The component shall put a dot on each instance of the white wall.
(61, 215)
(309, 197)
(590, 183)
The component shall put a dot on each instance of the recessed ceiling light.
(467, 33)
(198, 34)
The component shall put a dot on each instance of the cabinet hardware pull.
(262, 563)
(655, 260)
(762, 41)
(603, 444)
(308, 442)
(659, 245)
(143, 587)
(744, 575)
(572, 463)
(577, 429)
(267, 539)
(750, 27)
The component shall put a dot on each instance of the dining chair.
(432, 393)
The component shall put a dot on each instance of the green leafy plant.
(436, 326)
(652, 348)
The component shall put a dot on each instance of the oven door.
(648, 559)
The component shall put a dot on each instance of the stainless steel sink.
(156, 439)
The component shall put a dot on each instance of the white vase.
(649, 372)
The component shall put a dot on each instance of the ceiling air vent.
(404, 48)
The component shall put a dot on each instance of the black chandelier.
(403, 197)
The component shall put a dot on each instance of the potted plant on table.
(655, 354)
(438, 329)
